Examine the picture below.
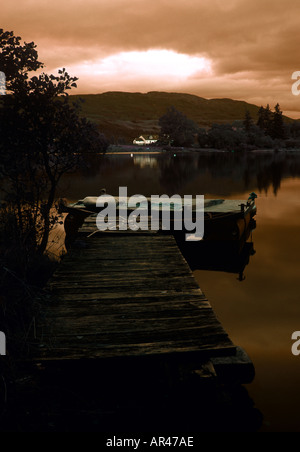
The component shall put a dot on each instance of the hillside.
(122, 116)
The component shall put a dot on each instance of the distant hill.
(122, 116)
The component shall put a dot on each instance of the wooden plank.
(127, 296)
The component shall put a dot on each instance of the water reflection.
(245, 171)
(227, 257)
(145, 160)
(220, 173)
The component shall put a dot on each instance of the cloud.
(252, 46)
(153, 69)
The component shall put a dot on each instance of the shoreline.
(137, 150)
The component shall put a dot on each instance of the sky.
(239, 49)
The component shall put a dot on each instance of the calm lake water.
(261, 312)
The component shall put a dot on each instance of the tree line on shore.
(268, 131)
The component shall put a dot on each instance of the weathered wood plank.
(193, 296)
(65, 350)
(131, 295)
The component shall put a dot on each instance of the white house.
(142, 140)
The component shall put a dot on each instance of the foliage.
(223, 136)
(264, 119)
(269, 132)
(248, 122)
(277, 130)
(16, 60)
(294, 130)
(177, 129)
(271, 123)
(203, 140)
(43, 137)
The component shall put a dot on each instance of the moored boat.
(224, 220)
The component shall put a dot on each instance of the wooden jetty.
(122, 297)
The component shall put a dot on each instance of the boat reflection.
(230, 257)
